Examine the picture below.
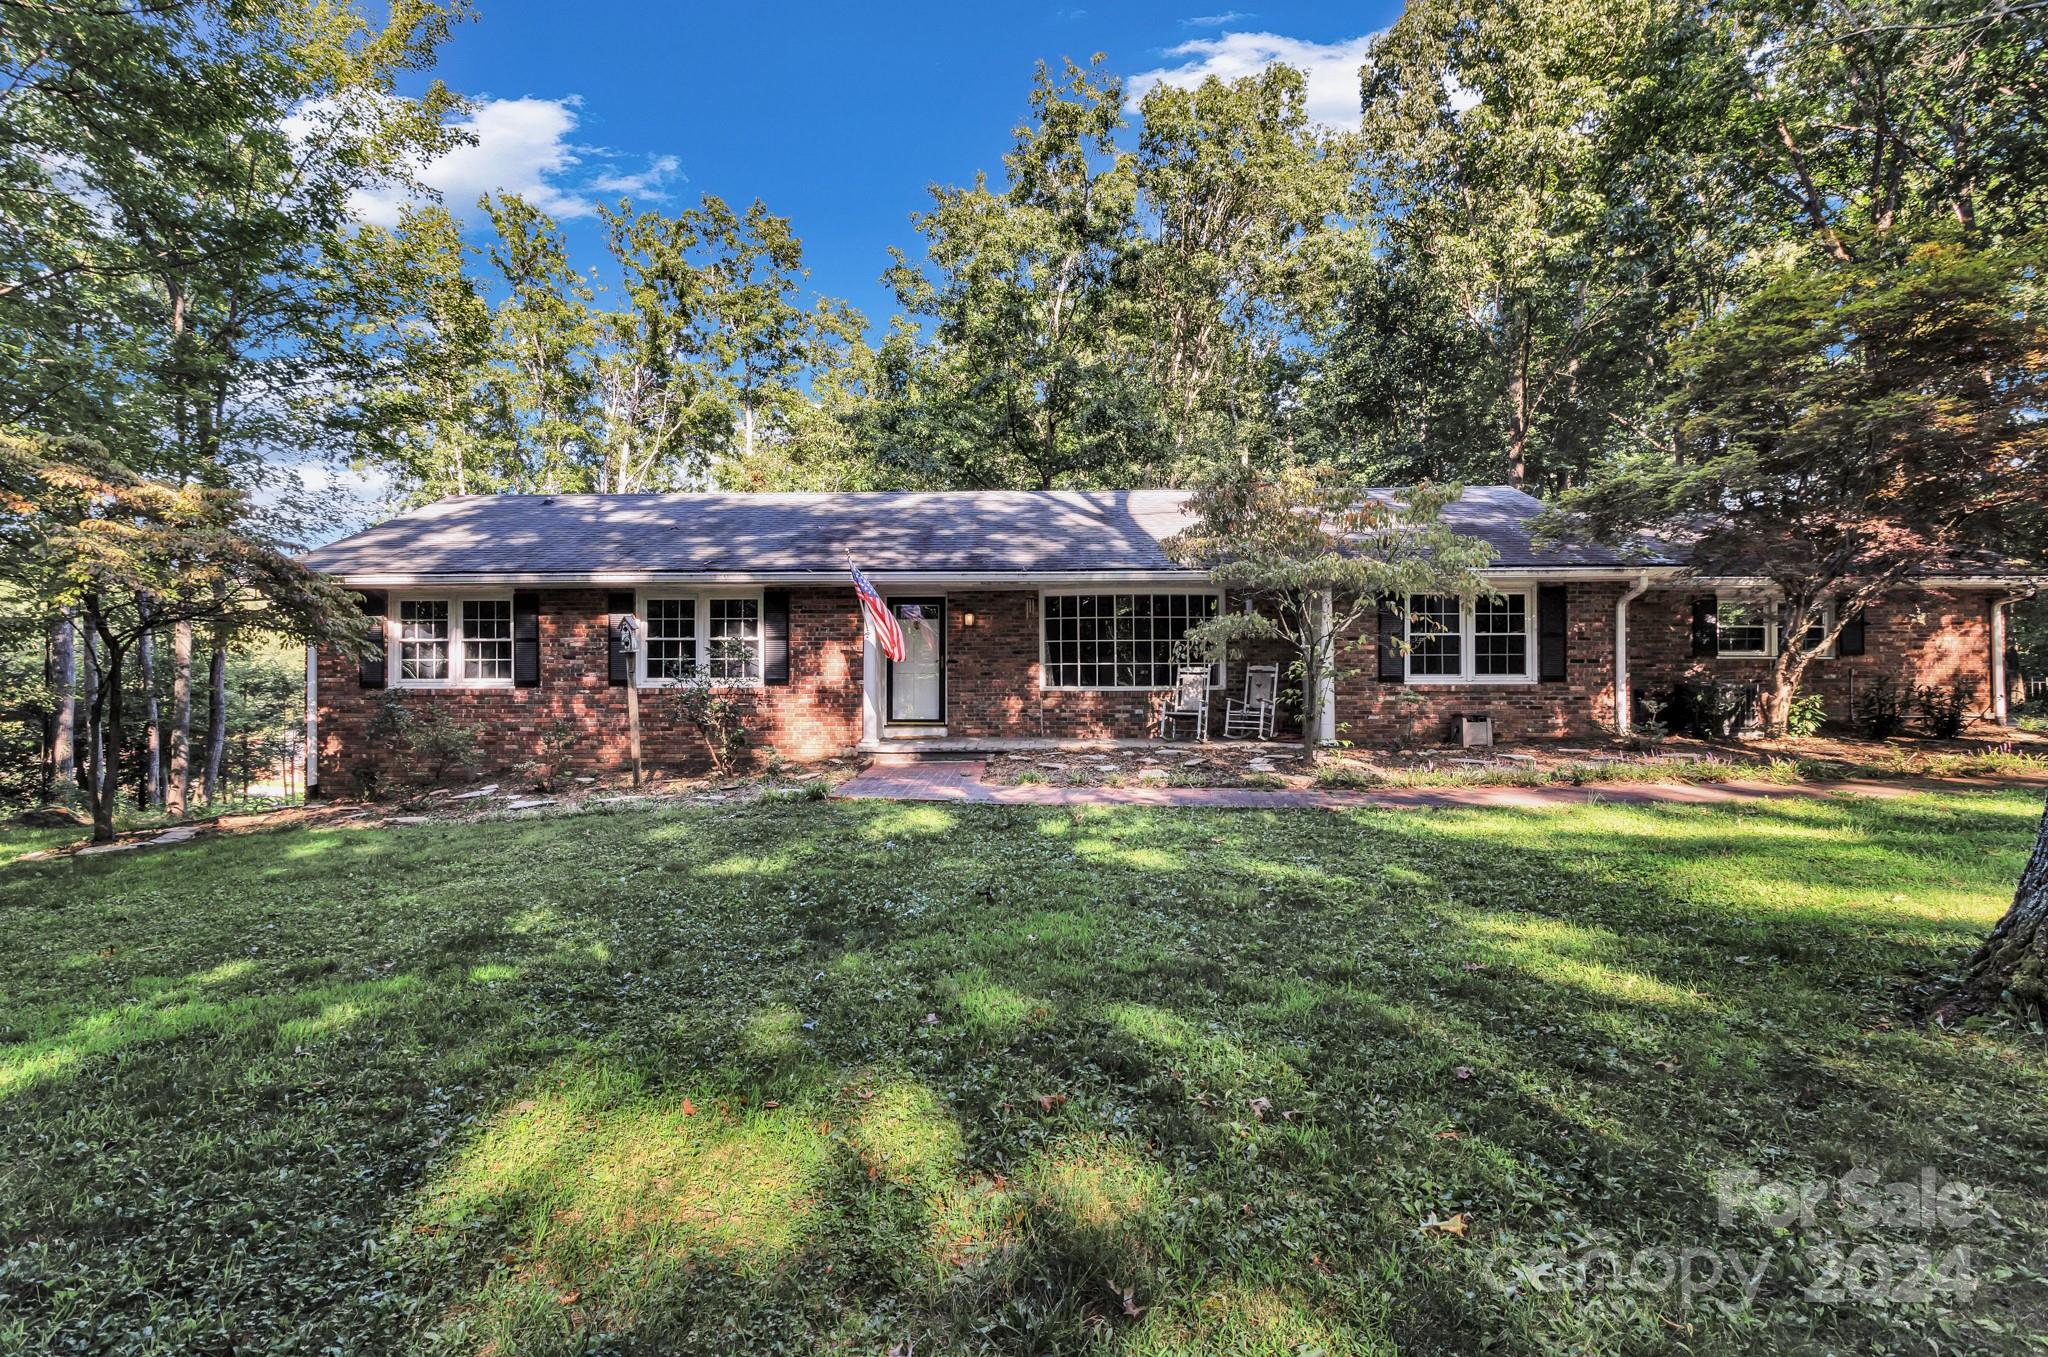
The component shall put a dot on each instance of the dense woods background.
(1598, 248)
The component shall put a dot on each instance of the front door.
(917, 682)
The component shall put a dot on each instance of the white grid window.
(735, 633)
(671, 638)
(1500, 636)
(487, 639)
(1435, 642)
(1744, 629)
(1120, 640)
(423, 640)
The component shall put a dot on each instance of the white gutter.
(1624, 699)
(1022, 579)
(312, 720)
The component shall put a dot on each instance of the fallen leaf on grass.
(689, 1108)
(1126, 1293)
(1048, 1101)
(1452, 1225)
(1463, 1072)
(1261, 1106)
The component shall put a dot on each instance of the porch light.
(629, 634)
(966, 619)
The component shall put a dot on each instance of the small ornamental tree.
(128, 555)
(1853, 423)
(1311, 554)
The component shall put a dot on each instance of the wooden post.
(633, 724)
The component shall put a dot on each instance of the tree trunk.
(89, 759)
(1518, 408)
(178, 791)
(216, 716)
(64, 717)
(2012, 964)
(153, 731)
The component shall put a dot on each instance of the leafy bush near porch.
(858, 1077)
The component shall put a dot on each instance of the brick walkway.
(960, 780)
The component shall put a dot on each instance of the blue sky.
(836, 115)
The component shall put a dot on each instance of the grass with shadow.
(858, 1077)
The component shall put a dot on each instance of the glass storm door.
(917, 682)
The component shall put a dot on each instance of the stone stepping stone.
(411, 820)
(531, 803)
(178, 835)
(1526, 759)
(1152, 775)
(491, 790)
(118, 846)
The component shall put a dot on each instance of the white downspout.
(1326, 683)
(1623, 698)
(312, 720)
(2001, 713)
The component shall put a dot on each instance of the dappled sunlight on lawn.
(1566, 954)
(991, 1010)
(909, 821)
(169, 1010)
(854, 1077)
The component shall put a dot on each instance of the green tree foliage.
(126, 554)
(1827, 438)
(1314, 552)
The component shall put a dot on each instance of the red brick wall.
(814, 715)
(993, 682)
(1377, 714)
(1919, 637)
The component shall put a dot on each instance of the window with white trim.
(1744, 630)
(1120, 640)
(671, 638)
(1749, 629)
(716, 636)
(735, 649)
(452, 642)
(1483, 640)
(487, 639)
(1500, 636)
(423, 640)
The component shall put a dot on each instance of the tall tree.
(1030, 378)
(547, 329)
(1528, 166)
(434, 406)
(1240, 195)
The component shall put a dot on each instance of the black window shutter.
(1850, 641)
(373, 666)
(1393, 664)
(1552, 626)
(620, 605)
(526, 640)
(1706, 632)
(775, 636)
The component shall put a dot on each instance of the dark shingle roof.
(978, 532)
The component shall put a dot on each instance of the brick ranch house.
(1029, 615)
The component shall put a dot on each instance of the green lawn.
(874, 1078)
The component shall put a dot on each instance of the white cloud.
(648, 183)
(1230, 16)
(1332, 68)
(525, 146)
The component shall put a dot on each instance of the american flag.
(888, 636)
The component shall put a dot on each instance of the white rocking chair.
(1187, 701)
(1255, 717)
